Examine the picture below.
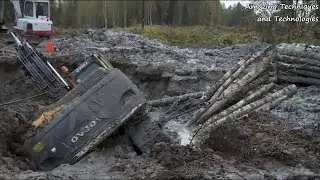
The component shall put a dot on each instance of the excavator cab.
(100, 100)
(36, 19)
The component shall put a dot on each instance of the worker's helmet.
(64, 70)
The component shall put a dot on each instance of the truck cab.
(35, 19)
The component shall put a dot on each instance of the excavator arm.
(42, 72)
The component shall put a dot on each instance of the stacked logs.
(251, 86)
(298, 63)
(245, 88)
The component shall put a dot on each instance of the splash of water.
(183, 131)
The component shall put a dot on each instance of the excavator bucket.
(103, 100)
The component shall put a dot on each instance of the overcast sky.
(232, 2)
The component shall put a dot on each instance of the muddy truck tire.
(84, 122)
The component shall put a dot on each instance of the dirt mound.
(261, 138)
(303, 108)
(152, 64)
(184, 162)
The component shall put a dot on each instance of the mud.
(282, 144)
(303, 108)
(16, 112)
(262, 138)
(152, 64)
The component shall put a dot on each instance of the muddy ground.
(282, 144)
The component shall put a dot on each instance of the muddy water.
(184, 133)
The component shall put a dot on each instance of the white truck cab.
(35, 19)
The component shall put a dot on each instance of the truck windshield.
(28, 8)
(42, 9)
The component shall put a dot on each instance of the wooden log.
(226, 76)
(196, 116)
(305, 67)
(205, 129)
(210, 93)
(298, 51)
(252, 97)
(299, 79)
(169, 100)
(298, 60)
(224, 82)
(261, 79)
(235, 88)
(301, 72)
(274, 65)
(273, 104)
(237, 73)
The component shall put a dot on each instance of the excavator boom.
(41, 71)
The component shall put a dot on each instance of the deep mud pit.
(15, 115)
(281, 144)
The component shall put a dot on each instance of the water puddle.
(185, 133)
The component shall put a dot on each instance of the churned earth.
(281, 144)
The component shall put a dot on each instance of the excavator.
(99, 100)
(32, 18)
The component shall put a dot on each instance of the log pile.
(251, 85)
(245, 88)
(298, 63)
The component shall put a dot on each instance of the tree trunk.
(274, 65)
(205, 130)
(262, 79)
(113, 18)
(298, 50)
(180, 13)
(142, 15)
(196, 116)
(105, 15)
(235, 88)
(125, 13)
(305, 73)
(221, 81)
(297, 60)
(169, 100)
(236, 74)
(211, 92)
(305, 67)
(273, 104)
(150, 12)
(299, 79)
(252, 97)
